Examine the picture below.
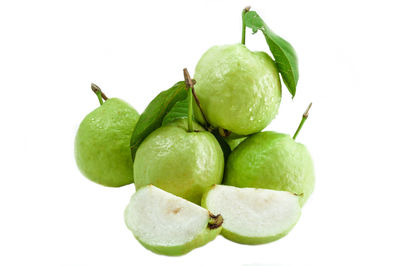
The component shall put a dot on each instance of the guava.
(252, 215)
(234, 141)
(239, 90)
(167, 224)
(274, 161)
(180, 162)
(102, 143)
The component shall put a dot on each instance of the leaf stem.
(189, 86)
(100, 95)
(304, 118)
(245, 10)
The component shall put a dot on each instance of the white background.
(50, 52)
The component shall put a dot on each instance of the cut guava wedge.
(251, 215)
(167, 224)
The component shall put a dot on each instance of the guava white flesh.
(167, 224)
(252, 215)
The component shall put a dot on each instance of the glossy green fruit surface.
(180, 162)
(234, 142)
(102, 144)
(167, 224)
(274, 161)
(239, 90)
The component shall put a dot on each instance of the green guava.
(274, 161)
(239, 90)
(252, 215)
(167, 224)
(102, 143)
(234, 141)
(180, 162)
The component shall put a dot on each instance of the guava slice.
(167, 224)
(252, 215)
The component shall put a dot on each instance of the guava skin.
(102, 143)
(252, 240)
(239, 90)
(180, 162)
(234, 142)
(203, 238)
(274, 161)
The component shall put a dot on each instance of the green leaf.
(179, 110)
(152, 117)
(224, 146)
(283, 52)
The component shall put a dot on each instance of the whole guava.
(239, 90)
(274, 161)
(183, 163)
(102, 143)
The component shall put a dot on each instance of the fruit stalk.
(100, 95)
(304, 118)
(189, 86)
(215, 221)
(207, 124)
(245, 10)
(191, 82)
(223, 132)
(190, 110)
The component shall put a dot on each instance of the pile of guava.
(198, 156)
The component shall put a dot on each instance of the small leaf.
(152, 117)
(283, 52)
(224, 146)
(179, 110)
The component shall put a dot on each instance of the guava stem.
(245, 10)
(199, 105)
(191, 82)
(189, 86)
(215, 221)
(224, 132)
(304, 118)
(100, 95)
(190, 111)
